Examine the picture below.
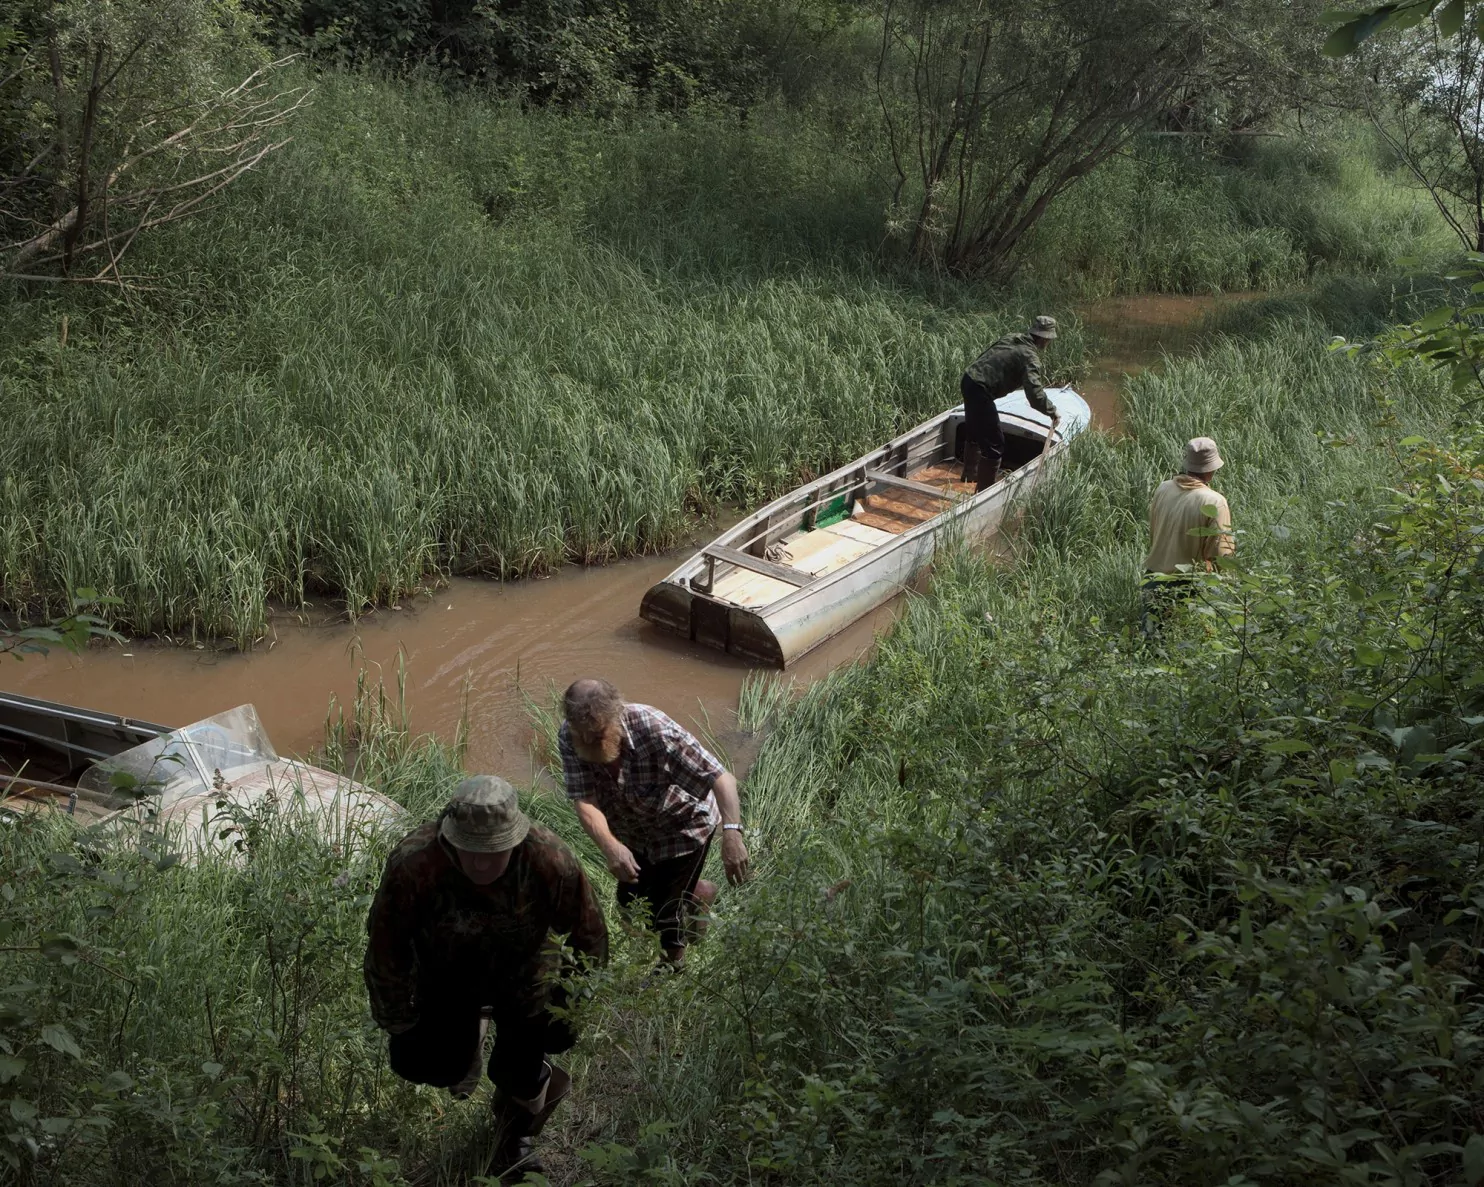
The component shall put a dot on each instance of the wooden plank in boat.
(825, 550)
(742, 588)
(757, 565)
(945, 476)
(920, 488)
(897, 511)
(866, 534)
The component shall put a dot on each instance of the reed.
(438, 334)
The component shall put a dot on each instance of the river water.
(477, 649)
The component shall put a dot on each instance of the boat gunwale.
(956, 510)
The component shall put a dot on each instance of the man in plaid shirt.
(651, 797)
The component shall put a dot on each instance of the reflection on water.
(1134, 333)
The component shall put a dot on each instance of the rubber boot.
(971, 462)
(465, 1087)
(517, 1124)
(988, 473)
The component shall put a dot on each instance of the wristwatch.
(734, 827)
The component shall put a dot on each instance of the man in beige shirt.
(1181, 508)
(1190, 529)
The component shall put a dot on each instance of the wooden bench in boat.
(807, 556)
(921, 488)
(745, 560)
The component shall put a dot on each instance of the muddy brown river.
(479, 648)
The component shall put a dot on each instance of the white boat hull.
(779, 633)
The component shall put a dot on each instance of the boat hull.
(780, 633)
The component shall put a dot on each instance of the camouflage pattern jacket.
(1012, 362)
(434, 935)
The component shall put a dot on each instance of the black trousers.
(443, 1045)
(669, 887)
(982, 423)
(1158, 597)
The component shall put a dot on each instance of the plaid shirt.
(660, 804)
(434, 935)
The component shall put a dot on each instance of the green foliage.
(72, 631)
(661, 53)
(993, 111)
(120, 117)
(437, 334)
(1354, 27)
(401, 346)
(1269, 213)
(1447, 338)
(1046, 904)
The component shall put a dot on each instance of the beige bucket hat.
(1043, 327)
(484, 816)
(1202, 456)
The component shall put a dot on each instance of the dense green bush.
(1268, 213)
(659, 53)
(1068, 907)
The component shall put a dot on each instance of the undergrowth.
(441, 334)
(1038, 900)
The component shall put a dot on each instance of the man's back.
(1180, 506)
(1005, 365)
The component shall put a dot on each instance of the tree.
(120, 116)
(1426, 98)
(994, 108)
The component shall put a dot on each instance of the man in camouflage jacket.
(463, 932)
(1012, 363)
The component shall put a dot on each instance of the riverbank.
(974, 851)
(470, 654)
(442, 335)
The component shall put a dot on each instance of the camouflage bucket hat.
(484, 816)
(1044, 327)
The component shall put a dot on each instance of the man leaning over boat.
(1011, 363)
(651, 797)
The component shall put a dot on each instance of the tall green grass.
(1272, 214)
(440, 334)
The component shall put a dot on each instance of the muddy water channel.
(479, 649)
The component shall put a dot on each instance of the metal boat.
(196, 786)
(803, 568)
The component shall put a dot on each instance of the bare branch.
(160, 174)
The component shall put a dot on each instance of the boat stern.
(692, 615)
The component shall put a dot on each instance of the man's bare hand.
(734, 856)
(621, 863)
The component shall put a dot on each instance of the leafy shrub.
(1068, 907)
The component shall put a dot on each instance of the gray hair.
(591, 706)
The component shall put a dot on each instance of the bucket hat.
(1201, 456)
(1043, 327)
(484, 816)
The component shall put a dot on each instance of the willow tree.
(118, 116)
(994, 108)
